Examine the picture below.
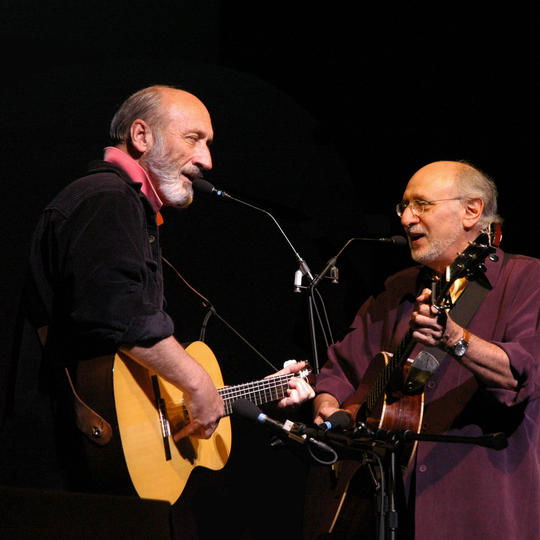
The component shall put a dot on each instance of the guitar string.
(258, 392)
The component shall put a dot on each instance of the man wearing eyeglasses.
(487, 380)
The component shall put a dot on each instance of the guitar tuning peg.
(289, 363)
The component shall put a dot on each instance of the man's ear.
(141, 136)
(473, 212)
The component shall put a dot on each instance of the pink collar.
(136, 173)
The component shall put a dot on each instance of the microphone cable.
(212, 311)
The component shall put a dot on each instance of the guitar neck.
(402, 353)
(258, 392)
(394, 366)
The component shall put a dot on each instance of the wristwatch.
(460, 348)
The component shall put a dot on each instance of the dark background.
(321, 115)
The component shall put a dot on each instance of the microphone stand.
(361, 444)
(303, 270)
(314, 314)
(330, 268)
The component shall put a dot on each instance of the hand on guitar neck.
(432, 327)
(299, 390)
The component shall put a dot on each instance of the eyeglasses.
(417, 206)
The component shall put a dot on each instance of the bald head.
(463, 180)
(442, 170)
(445, 206)
(153, 105)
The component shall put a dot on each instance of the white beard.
(436, 248)
(173, 190)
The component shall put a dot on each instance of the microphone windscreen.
(204, 186)
(399, 240)
(339, 420)
(246, 408)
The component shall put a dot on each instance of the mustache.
(193, 173)
(415, 230)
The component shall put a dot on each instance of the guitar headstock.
(303, 373)
(470, 263)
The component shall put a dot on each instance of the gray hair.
(473, 183)
(144, 104)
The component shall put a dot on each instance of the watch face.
(460, 348)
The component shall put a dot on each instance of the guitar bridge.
(164, 424)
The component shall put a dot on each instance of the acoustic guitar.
(147, 411)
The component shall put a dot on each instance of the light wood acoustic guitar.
(150, 410)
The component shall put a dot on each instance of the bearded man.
(96, 283)
(488, 380)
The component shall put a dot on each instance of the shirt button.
(422, 468)
(151, 238)
(431, 385)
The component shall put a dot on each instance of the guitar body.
(155, 472)
(130, 417)
(395, 411)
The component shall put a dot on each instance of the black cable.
(212, 311)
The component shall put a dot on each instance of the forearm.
(169, 360)
(488, 362)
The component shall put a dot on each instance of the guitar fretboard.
(258, 392)
(394, 366)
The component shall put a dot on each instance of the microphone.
(495, 441)
(396, 240)
(204, 186)
(338, 420)
(249, 410)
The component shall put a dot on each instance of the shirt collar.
(136, 173)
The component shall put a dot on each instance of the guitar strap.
(429, 359)
(91, 423)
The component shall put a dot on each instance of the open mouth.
(414, 238)
(186, 177)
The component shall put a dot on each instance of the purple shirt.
(465, 491)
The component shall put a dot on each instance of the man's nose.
(408, 217)
(203, 158)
